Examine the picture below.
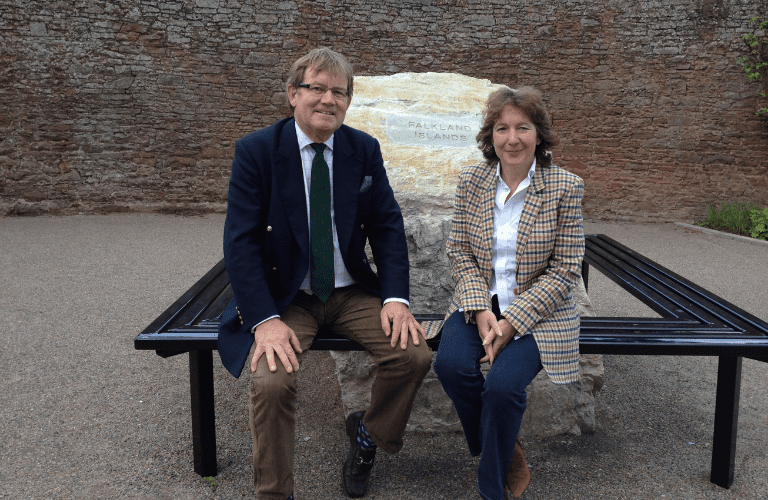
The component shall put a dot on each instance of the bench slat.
(693, 299)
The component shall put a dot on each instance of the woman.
(515, 248)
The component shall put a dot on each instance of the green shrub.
(759, 227)
(733, 217)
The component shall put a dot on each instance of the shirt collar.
(531, 171)
(305, 141)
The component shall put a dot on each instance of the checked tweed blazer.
(550, 249)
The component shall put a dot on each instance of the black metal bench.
(693, 322)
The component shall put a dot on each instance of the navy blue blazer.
(266, 233)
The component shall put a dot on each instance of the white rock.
(426, 124)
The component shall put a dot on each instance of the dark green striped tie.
(321, 234)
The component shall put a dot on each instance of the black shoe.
(357, 468)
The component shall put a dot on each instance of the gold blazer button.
(269, 229)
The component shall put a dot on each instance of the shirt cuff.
(395, 299)
(253, 330)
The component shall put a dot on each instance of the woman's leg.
(503, 405)
(459, 372)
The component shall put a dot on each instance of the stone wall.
(136, 104)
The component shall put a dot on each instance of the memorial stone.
(426, 124)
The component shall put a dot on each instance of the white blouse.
(506, 219)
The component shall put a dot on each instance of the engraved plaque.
(438, 131)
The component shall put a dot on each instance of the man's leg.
(272, 409)
(356, 314)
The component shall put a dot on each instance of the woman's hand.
(497, 334)
(489, 330)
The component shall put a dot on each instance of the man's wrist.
(253, 329)
(395, 299)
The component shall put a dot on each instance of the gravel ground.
(84, 415)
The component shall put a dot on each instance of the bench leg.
(726, 420)
(203, 412)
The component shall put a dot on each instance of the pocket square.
(367, 181)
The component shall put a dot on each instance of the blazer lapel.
(530, 212)
(290, 180)
(487, 201)
(347, 171)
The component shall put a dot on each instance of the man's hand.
(397, 321)
(495, 334)
(275, 338)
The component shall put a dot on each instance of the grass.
(731, 217)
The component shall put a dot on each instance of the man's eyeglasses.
(318, 89)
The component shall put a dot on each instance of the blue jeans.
(490, 409)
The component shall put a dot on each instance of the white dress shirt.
(506, 219)
(342, 276)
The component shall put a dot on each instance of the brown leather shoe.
(357, 468)
(518, 475)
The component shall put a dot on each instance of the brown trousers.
(354, 313)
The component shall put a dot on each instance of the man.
(304, 196)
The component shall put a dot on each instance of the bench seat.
(692, 322)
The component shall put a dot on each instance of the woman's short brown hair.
(321, 59)
(529, 101)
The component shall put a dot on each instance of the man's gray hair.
(322, 59)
